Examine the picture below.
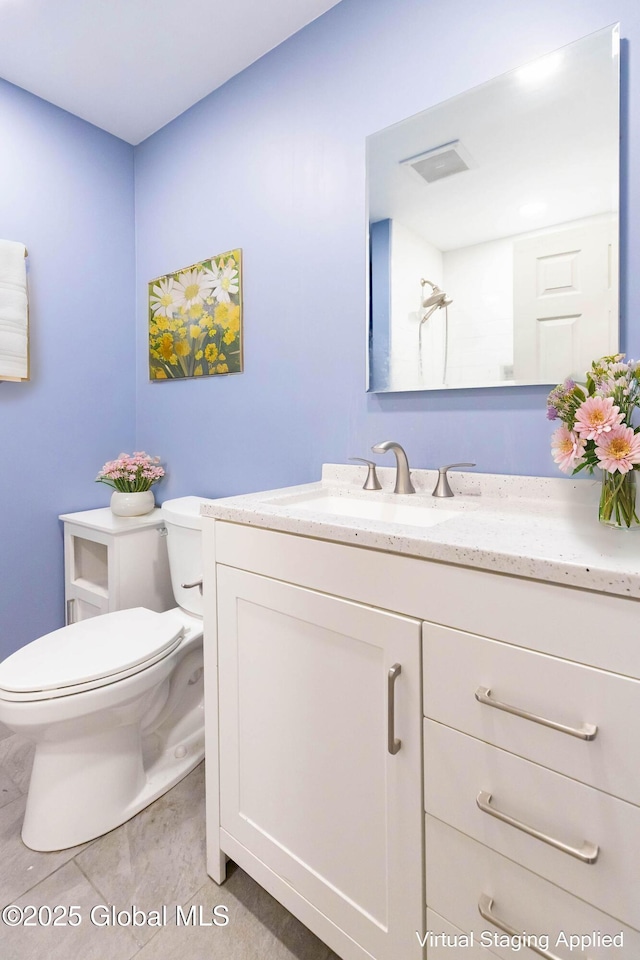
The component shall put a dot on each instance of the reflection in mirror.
(493, 229)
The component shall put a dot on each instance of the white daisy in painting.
(164, 298)
(210, 276)
(225, 284)
(192, 287)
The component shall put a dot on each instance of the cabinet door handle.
(393, 744)
(70, 608)
(587, 853)
(485, 908)
(587, 731)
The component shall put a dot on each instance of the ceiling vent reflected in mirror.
(440, 162)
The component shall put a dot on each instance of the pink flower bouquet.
(131, 473)
(597, 431)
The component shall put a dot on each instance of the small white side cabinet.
(112, 563)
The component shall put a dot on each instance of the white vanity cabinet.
(529, 827)
(112, 563)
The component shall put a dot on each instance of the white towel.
(14, 312)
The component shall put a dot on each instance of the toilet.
(114, 704)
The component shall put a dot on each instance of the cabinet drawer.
(460, 871)
(457, 664)
(445, 942)
(459, 767)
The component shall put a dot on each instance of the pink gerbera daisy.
(619, 449)
(597, 415)
(567, 448)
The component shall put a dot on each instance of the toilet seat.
(89, 654)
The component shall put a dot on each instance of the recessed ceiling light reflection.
(533, 210)
(540, 70)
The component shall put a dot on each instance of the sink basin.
(418, 514)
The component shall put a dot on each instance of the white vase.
(132, 504)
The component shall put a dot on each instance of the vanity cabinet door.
(308, 784)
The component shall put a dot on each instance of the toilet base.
(85, 801)
(94, 771)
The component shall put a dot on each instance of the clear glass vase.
(618, 500)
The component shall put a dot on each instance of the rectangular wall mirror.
(493, 229)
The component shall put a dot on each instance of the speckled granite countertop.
(536, 527)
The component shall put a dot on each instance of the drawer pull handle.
(393, 744)
(587, 731)
(485, 908)
(588, 853)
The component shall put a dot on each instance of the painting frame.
(195, 320)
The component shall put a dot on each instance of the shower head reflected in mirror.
(437, 298)
(435, 301)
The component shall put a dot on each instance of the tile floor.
(156, 858)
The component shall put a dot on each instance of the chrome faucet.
(403, 476)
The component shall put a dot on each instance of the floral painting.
(195, 320)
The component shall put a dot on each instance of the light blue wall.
(67, 193)
(273, 162)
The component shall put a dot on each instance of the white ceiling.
(130, 66)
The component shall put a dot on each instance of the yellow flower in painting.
(194, 331)
(177, 326)
(173, 360)
(196, 311)
(159, 375)
(199, 355)
(222, 357)
(228, 315)
(166, 346)
(230, 336)
(222, 368)
(211, 353)
(162, 323)
(182, 348)
(206, 321)
(221, 314)
(198, 371)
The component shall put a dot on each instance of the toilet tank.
(184, 544)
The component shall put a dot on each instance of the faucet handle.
(442, 488)
(372, 482)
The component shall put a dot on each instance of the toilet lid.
(91, 650)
